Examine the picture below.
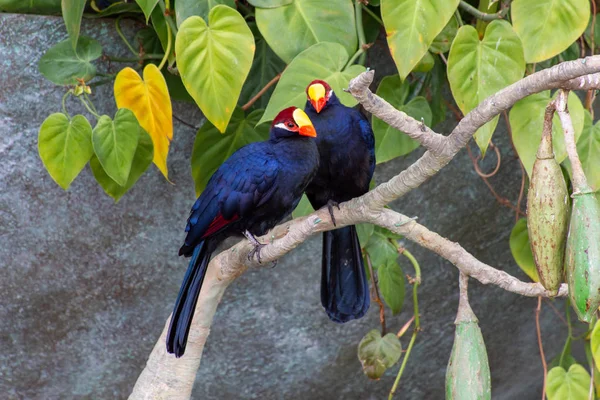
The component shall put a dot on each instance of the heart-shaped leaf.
(147, 7)
(376, 353)
(295, 27)
(186, 8)
(65, 146)
(547, 27)
(390, 142)
(411, 27)
(265, 67)
(391, 284)
(141, 160)
(72, 11)
(380, 250)
(212, 148)
(527, 120)
(149, 100)
(269, 3)
(62, 65)
(572, 385)
(115, 143)
(214, 61)
(521, 249)
(321, 61)
(443, 41)
(477, 69)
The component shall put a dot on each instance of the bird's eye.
(290, 125)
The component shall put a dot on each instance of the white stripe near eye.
(282, 125)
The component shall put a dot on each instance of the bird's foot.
(257, 246)
(330, 205)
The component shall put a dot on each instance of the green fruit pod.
(548, 216)
(583, 255)
(468, 372)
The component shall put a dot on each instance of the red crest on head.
(325, 85)
(284, 115)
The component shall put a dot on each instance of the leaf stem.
(120, 33)
(372, 14)
(95, 114)
(90, 101)
(261, 92)
(538, 310)
(377, 296)
(168, 50)
(416, 282)
(167, 13)
(64, 108)
(360, 51)
(482, 15)
(360, 31)
(151, 56)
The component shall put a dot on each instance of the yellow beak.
(316, 95)
(304, 123)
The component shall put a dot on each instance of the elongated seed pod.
(583, 255)
(468, 372)
(548, 215)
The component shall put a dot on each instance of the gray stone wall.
(86, 285)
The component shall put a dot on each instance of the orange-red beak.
(304, 123)
(316, 95)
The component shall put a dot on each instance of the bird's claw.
(256, 251)
(330, 205)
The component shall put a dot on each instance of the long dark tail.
(344, 285)
(187, 298)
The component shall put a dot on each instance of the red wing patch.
(217, 224)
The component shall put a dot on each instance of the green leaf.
(303, 208)
(65, 146)
(72, 11)
(595, 344)
(443, 41)
(115, 8)
(521, 249)
(324, 61)
(214, 61)
(547, 27)
(380, 250)
(295, 27)
(437, 84)
(527, 121)
(376, 353)
(572, 385)
(144, 153)
(588, 149)
(364, 232)
(148, 6)
(588, 33)
(412, 26)
(391, 284)
(61, 64)
(390, 142)
(477, 69)
(269, 3)
(44, 7)
(265, 66)
(212, 148)
(201, 8)
(115, 143)
(160, 27)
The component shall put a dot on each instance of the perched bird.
(347, 161)
(254, 189)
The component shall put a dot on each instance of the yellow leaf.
(149, 100)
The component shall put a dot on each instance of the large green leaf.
(588, 149)
(521, 249)
(115, 143)
(527, 121)
(443, 41)
(72, 11)
(390, 142)
(201, 8)
(212, 148)
(214, 61)
(295, 27)
(572, 385)
(391, 284)
(411, 27)
(380, 250)
(376, 353)
(61, 64)
(324, 61)
(65, 146)
(144, 153)
(547, 27)
(265, 67)
(269, 3)
(148, 6)
(479, 68)
(31, 6)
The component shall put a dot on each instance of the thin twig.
(498, 163)
(377, 296)
(261, 92)
(540, 344)
(372, 14)
(591, 94)
(480, 14)
(518, 212)
(122, 36)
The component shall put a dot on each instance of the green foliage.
(588, 148)
(377, 353)
(571, 385)
(521, 249)
(148, 6)
(30, 6)
(63, 65)
(201, 8)
(72, 11)
(391, 284)
(214, 60)
(303, 208)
